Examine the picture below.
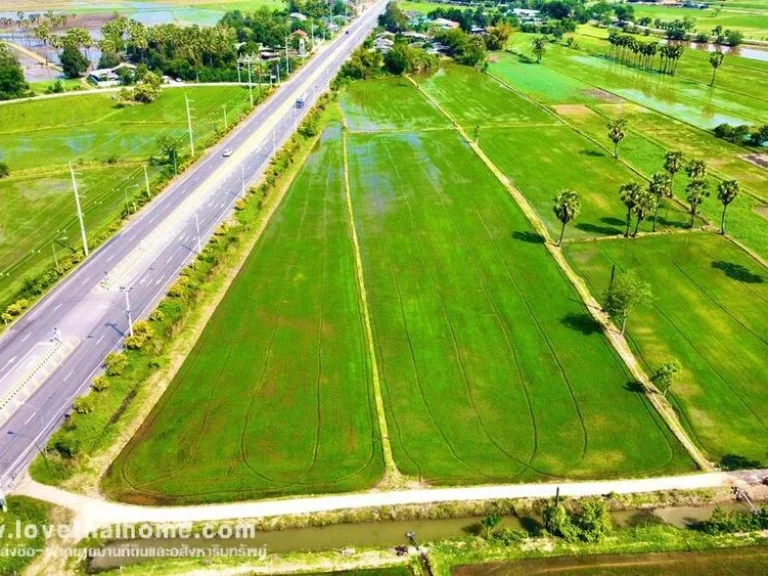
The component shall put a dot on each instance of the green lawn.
(22, 514)
(276, 396)
(709, 312)
(106, 144)
(487, 376)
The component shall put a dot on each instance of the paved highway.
(87, 311)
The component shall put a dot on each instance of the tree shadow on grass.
(528, 236)
(583, 323)
(635, 387)
(738, 272)
(737, 462)
(595, 229)
(531, 525)
(611, 221)
(592, 153)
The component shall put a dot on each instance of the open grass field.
(276, 396)
(474, 100)
(473, 356)
(678, 97)
(751, 19)
(403, 109)
(106, 144)
(710, 312)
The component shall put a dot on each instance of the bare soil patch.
(602, 95)
(757, 159)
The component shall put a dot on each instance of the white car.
(227, 152)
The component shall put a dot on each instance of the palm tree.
(646, 204)
(696, 192)
(659, 186)
(673, 163)
(716, 60)
(566, 208)
(630, 195)
(727, 191)
(617, 130)
(696, 169)
(539, 46)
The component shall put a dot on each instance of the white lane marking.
(56, 307)
(11, 361)
(26, 337)
(85, 280)
(99, 340)
(68, 375)
(169, 259)
(110, 258)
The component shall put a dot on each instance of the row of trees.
(630, 50)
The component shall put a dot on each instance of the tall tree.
(12, 84)
(630, 195)
(566, 208)
(696, 169)
(727, 191)
(715, 60)
(73, 62)
(666, 375)
(624, 295)
(673, 163)
(617, 131)
(696, 193)
(659, 186)
(644, 207)
(539, 46)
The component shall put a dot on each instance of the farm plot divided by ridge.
(492, 368)
(276, 396)
(710, 312)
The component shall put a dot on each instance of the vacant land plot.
(390, 104)
(106, 144)
(545, 160)
(276, 397)
(644, 152)
(473, 99)
(710, 312)
(491, 366)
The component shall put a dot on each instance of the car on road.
(227, 152)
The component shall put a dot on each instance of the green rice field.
(710, 312)
(107, 146)
(750, 18)
(276, 396)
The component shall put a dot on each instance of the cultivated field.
(487, 376)
(751, 18)
(276, 396)
(710, 312)
(107, 145)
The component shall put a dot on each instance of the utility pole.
(226, 125)
(189, 126)
(278, 72)
(197, 227)
(239, 80)
(127, 292)
(55, 258)
(287, 60)
(146, 182)
(250, 84)
(79, 211)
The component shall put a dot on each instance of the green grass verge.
(488, 376)
(276, 396)
(709, 312)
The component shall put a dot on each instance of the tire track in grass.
(549, 344)
(446, 316)
(496, 313)
(392, 473)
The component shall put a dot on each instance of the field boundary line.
(392, 474)
(617, 340)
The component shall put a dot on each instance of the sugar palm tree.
(696, 193)
(716, 60)
(696, 169)
(659, 186)
(617, 131)
(566, 208)
(539, 46)
(727, 191)
(630, 195)
(673, 163)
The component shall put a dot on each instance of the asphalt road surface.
(88, 309)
